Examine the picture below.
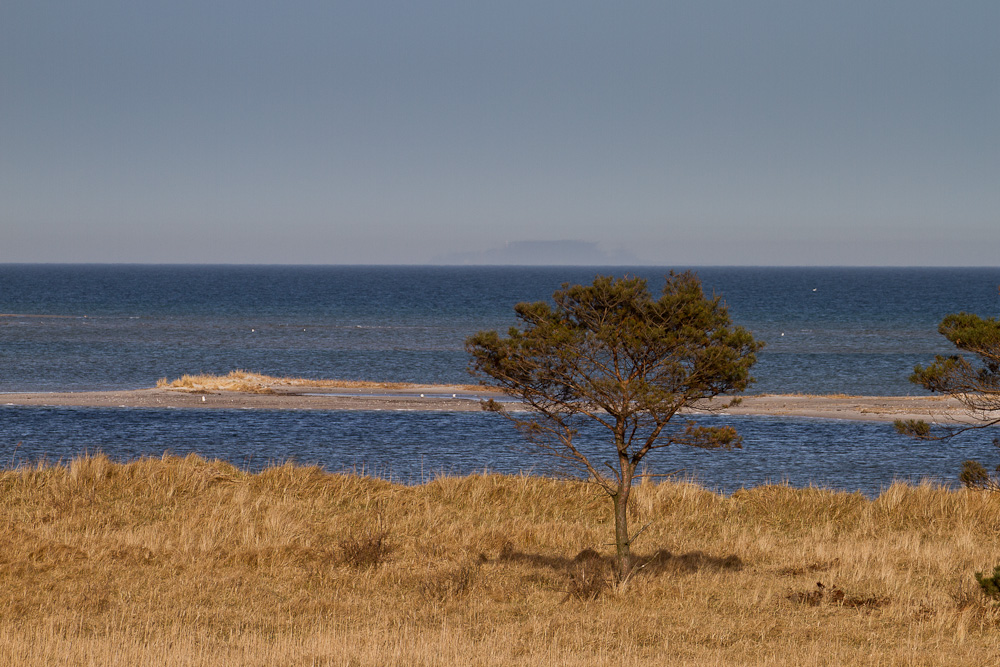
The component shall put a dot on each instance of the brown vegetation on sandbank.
(256, 383)
(185, 561)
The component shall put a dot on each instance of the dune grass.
(256, 383)
(183, 561)
(237, 380)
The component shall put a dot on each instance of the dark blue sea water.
(851, 330)
(413, 447)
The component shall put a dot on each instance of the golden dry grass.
(182, 561)
(255, 383)
(244, 381)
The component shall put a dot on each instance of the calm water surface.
(857, 331)
(413, 447)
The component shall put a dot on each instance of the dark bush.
(990, 585)
(369, 550)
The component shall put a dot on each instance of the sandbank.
(461, 398)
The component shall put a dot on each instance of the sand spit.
(433, 398)
(462, 398)
(859, 408)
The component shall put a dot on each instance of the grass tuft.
(588, 576)
(451, 581)
(368, 550)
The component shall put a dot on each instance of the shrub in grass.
(975, 476)
(451, 582)
(369, 550)
(990, 585)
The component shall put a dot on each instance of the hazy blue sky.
(854, 132)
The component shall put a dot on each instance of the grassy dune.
(191, 562)
(256, 383)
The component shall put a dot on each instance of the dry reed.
(183, 561)
(256, 383)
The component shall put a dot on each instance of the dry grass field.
(191, 562)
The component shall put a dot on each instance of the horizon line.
(506, 265)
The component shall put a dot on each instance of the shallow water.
(412, 447)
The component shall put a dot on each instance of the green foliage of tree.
(916, 428)
(611, 354)
(990, 585)
(975, 381)
(975, 476)
(973, 378)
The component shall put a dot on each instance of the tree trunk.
(623, 560)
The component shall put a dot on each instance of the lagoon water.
(79, 327)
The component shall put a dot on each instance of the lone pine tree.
(611, 354)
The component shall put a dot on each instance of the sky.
(702, 132)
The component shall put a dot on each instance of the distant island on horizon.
(543, 253)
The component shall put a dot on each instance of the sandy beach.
(448, 398)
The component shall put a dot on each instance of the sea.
(103, 327)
